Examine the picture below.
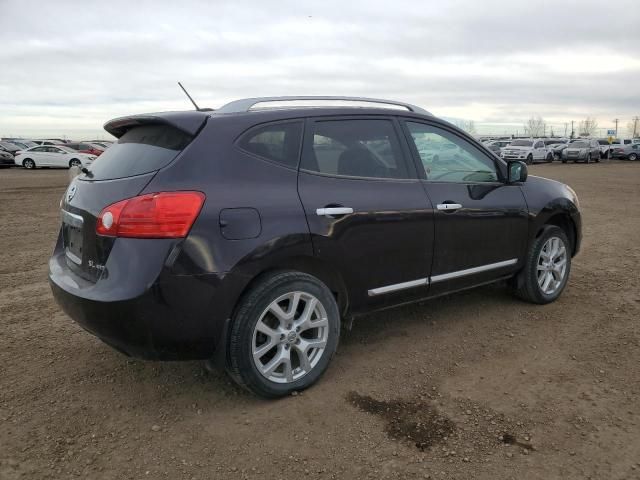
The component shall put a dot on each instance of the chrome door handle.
(330, 211)
(448, 206)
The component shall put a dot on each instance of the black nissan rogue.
(245, 235)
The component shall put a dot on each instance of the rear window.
(141, 150)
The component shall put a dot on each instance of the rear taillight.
(155, 215)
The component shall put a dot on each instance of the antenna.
(189, 96)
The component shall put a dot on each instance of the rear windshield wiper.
(87, 172)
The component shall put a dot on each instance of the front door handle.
(333, 211)
(448, 206)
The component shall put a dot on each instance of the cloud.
(68, 66)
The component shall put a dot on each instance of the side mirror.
(517, 172)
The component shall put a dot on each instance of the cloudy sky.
(68, 66)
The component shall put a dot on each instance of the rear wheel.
(28, 164)
(633, 157)
(284, 334)
(547, 267)
(75, 163)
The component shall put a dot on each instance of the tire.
(564, 160)
(549, 158)
(530, 288)
(588, 159)
(557, 156)
(74, 162)
(28, 164)
(633, 157)
(277, 293)
(530, 160)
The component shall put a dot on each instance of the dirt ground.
(474, 386)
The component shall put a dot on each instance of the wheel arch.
(564, 221)
(251, 275)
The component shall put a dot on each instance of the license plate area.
(72, 236)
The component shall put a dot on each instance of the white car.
(527, 150)
(52, 156)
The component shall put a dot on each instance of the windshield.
(579, 145)
(9, 146)
(521, 143)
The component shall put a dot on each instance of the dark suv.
(246, 235)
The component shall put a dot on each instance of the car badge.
(71, 192)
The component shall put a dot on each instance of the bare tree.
(588, 127)
(535, 126)
(468, 126)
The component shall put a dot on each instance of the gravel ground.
(477, 385)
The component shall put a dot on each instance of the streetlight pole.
(616, 120)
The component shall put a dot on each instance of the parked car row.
(49, 152)
(585, 150)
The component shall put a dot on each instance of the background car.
(6, 159)
(88, 148)
(582, 149)
(52, 156)
(630, 152)
(557, 146)
(527, 150)
(9, 148)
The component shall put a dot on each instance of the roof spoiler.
(187, 122)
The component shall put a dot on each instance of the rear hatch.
(145, 145)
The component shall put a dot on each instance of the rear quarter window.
(277, 142)
(141, 150)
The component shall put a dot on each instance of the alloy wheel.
(552, 265)
(290, 337)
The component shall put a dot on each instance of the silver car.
(630, 152)
(584, 150)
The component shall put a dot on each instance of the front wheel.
(29, 164)
(283, 334)
(549, 158)
(530, 159)
(547, 267)
(556, 156)
(633, 157)
(588, 160)
(75, 163)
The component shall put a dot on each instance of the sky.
(69, 66)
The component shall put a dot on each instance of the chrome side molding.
(440, 278)
(398, 286)
(471, 271)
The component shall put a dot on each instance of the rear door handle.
(333, 211)
(448, 206)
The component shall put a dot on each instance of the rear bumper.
(174, 318)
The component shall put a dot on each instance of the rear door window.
(355, 148)
(141, 150)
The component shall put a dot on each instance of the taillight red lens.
(155, 215)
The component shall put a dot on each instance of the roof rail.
(246, 104)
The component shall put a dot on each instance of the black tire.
(527, 287)
(564, 160)
(549, 158)
(29, 164)
(633, 157)
(530, 160)
(74, 162)
(588, 159)
(241, 366)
